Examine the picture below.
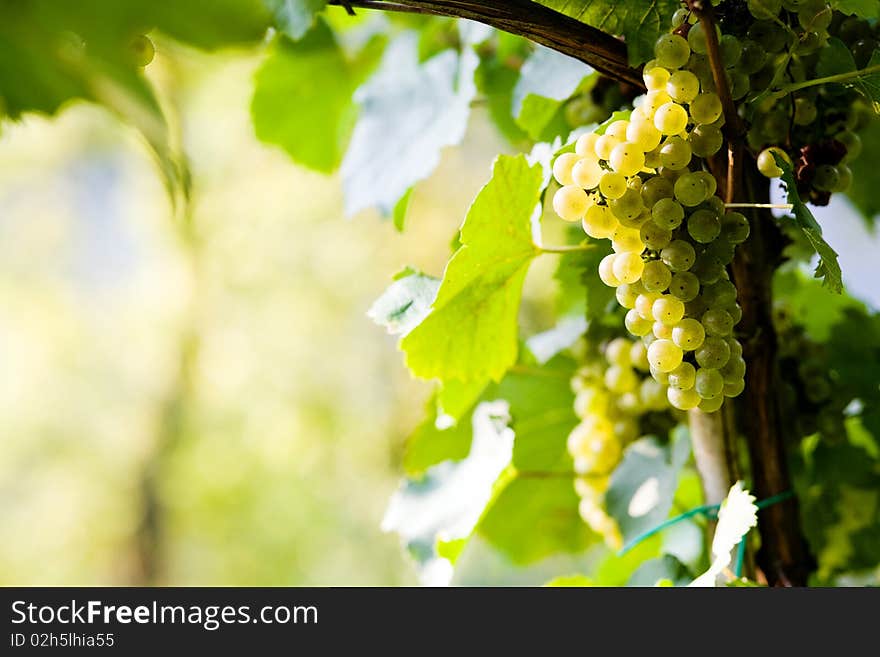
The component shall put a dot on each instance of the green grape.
(617, 352)
(734, 389)
(688, 334)
(671, 51)
(655, 237)
(844, 178)
(768, 34)
(736, 313)
(817, 16)
(636, 324)
(628, 206)
(714, 203)
(703, 226)
(708, 383)
(805, 111)
(644, 304)
(668, 310)
(683, 400)
(634, 182)
(852, 142)
(628, 267)
(661, 330)
(683, 86)
(735, 227)
(664, 355)
(684, 286)
(571, 203)
(707, 268)
(721, 250)
(740, 84)
(654, 189)
(585, 146)
(713, 353)
(562, 167)
(717, 322)
(753, 57)
(587, 173)
(653, 395)
(658, 376)
(706, 108)
(690, 190)
(655, 77)
(680, 16)
(656, 276)
(734, 369)
(826, 177)
(612, 185)
(652, 101)
(617, 129)
(670, 118)
(767, 163)
(604, 145)
(683, 376)
(697, 39)
(627, 159)
(712, 404)
(142, 50)
(627, 294)
(731, 50)
(667, 213)
(764, 9)
(705, 140)
(643, 134)
(736, 349)
(720, 294)
(675, 154)
(678, 255)
(606, 270)
(621, 379)
(627, 239)
(598, 222)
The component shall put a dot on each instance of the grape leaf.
(409, 112)
(828, 268)
(547, 79)
(866, 174)
(303, 99)
(644, 484)
(434, 442)
(405, 303)
(471, 332)
(496, 80)
(862, 8)
(641, 22)
(295, 17)
(835, 58)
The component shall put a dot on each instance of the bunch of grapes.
(614, 393)
(641, 183)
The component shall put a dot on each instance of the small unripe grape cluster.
(641, 184)
(612, 393)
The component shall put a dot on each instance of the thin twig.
(536, 22)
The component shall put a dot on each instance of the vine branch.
(533, 21)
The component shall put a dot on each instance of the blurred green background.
(201, 404)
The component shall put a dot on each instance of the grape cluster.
(613, 394)
(641, 183)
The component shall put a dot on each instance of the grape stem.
(828, 79)
(533, 21)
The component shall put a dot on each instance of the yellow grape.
(599, 223)
(606, 270)
(587, 173)
(664, 355)
(683, 400)
(586, 144)
(562, 168)
(628, 267)
(571, 203)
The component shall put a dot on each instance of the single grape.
(670, 118)
(587, 173)
(767, 163)
(675, 154)
(628, 267)
(644, 305)
(655, 77)
(604, 145)
(627, 159)
(142, 50)
(690, 190)
(852, 142)
(736, 350)
(655, 237)
(627, 294)
(805, 111)
(667, 213)
(658, 376)
(622, 379)
(656, 276)
(713, 353)
(735, 227)
(703, 226)
(705, 140)
(697, 39)
(736, 313)
(708, 383)
(844, 178)
(712, 404)
(653, 101)
(661, 331)
(707, 268)
(753, 57)
(612, 185)
(585, 146)
(734, 389)
(664, 355)
(668, 309)
(683, 400)
(571, 203)
(617, 129)
(636, 324)
(684, 286)
(617, 352)
(683, 86)
(683, 376)
(671, 51)
(606, 270)
(734, 369)
(626, 240)
(644, 135)
(826, 177)
(562, 168)
(706, 108)
(654, 189)
(731, 50)
(678, 255)
(720, 294)
(768, 35)
(717, 322)
(688, 334)
(598, 222)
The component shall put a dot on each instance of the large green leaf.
(640, 22)
(295, 17)
(409, 112)
(828, 268)
(209, 25)
(471, 332)
(866, 174)
(303, 97)
(863, 8)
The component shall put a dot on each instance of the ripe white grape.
(668, 309)
(688, 334)
(627, 159)
(617, 129)
(664, 355)
(586, 144)
(683, 376)
(606, 271)
(612, 185)
(655, 77)
(628, 267)
(604, 145)
(684, 400)
(706, 108)
(598, 222)
(671, 51)
(670, 118)
(627, 239)
(636, 324)
(767, 164)
(562, 168)
(571, 203)
(643, 134)
(683, 86)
